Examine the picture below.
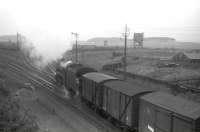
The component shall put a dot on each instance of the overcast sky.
(49, 23)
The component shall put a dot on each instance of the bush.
(15, 119)
(3, 90)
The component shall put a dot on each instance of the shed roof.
(180, 56)
(193, 55)
(98, 77)
(184, 55)
(175, 104)
(127, 88)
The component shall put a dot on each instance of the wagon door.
(105, 98)
(163, 121)
(125, 113)
(99, 95)
(182, 125)
(153, 119)
(147, 118)
(113, 103)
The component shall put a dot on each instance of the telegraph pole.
(76, 37)
(125, 34)
(18, 40)
(82, 55)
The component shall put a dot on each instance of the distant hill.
(149, 42)
(113, 41)
(188, 45)
(12, 38)
(159, 42)
(159, 39)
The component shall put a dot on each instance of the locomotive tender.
(130, 106)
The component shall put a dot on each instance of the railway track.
(26, 65)
(38, 79)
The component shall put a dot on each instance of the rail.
(49, 89)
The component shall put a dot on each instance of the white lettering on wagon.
(150, 128)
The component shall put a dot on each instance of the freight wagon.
(121, 102)
(132, 106)
(163, 112)
(92, 90)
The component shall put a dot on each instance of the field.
(144, 62)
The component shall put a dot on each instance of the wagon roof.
(127, 88)
(82, 70)
(98, 77)
(176, 104)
